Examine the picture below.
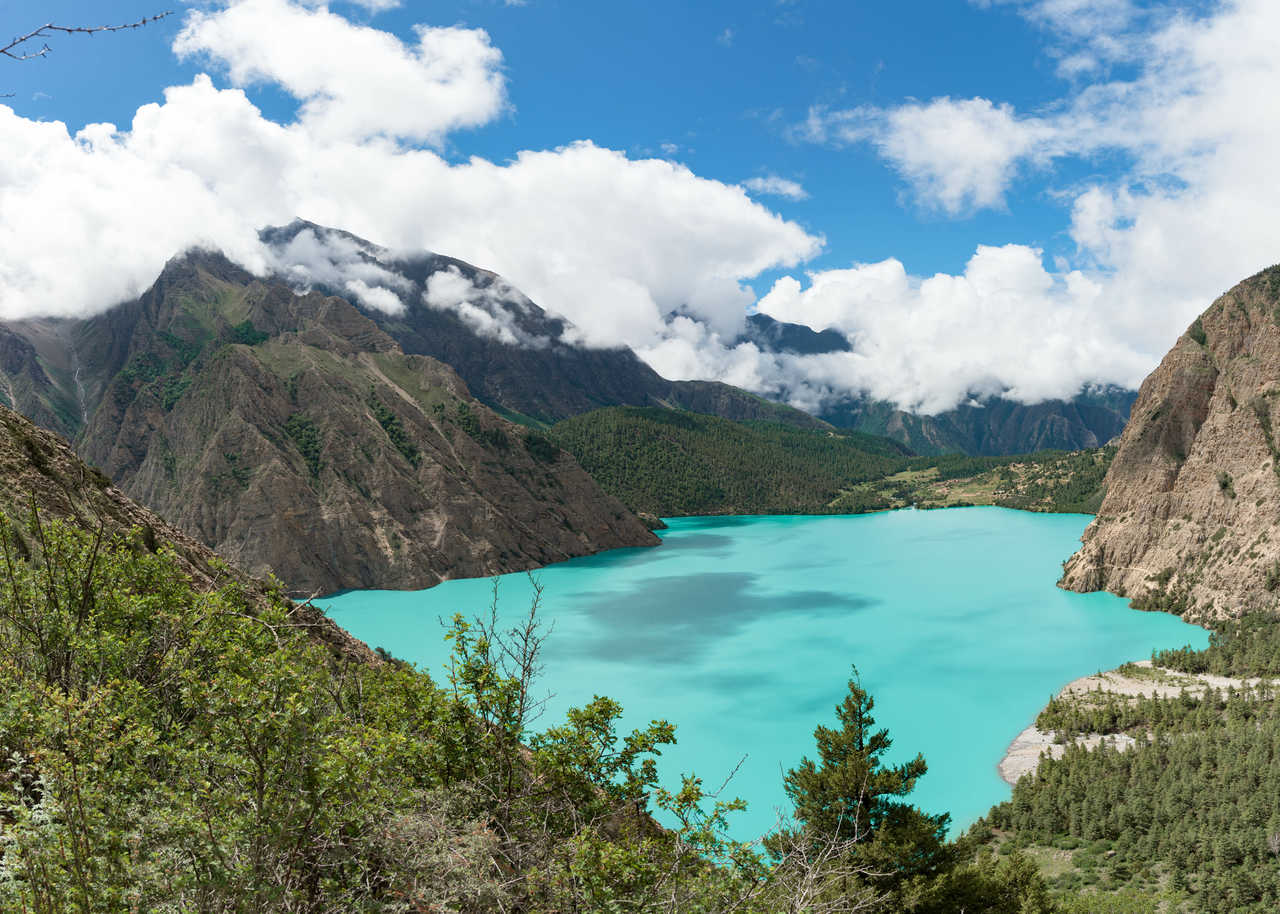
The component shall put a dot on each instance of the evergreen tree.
(850, 794)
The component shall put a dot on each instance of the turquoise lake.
(742, 630)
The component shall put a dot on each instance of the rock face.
(294, 436)
(1191, 518)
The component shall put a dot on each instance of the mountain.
(1191, 518)
(995, 426)
(771, 335)
(294, 436)
(513, 356)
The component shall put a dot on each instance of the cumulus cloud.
(1004, 326)
(957, 154)
(611, 243)
(772, 185)
(336, 262)
(352, 81)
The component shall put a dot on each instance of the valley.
(561, 458)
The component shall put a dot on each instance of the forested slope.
(670, 462)
(1192, 811)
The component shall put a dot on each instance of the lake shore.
(1131, 680)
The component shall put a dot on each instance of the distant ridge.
(994, 427)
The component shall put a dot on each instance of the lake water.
(742, 630)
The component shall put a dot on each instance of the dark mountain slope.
(998, 426)
(513, 355)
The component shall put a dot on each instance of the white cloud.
(1004, 326)
(373, 6)
(481, 307)
(339, 264)
(773, 185)
(725, 38)
(611, 243)
(957, 154)
(353, 81)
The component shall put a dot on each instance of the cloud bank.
(645, 253)
(1189, 212)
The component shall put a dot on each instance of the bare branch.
(17, 49)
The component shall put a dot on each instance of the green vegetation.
(394, 428)
(1249, 646)
(540, 448)
(157, 374)
(247, 334)
(466, 420)
(305, 435)
(169, 749)
(172, 391)
(669, 462)
(1190, 815)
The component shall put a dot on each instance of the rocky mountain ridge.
(293, 435)
(1191, 518)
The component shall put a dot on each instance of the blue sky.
(995, 196)
(713, 85)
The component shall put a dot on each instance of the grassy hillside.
(670, 463)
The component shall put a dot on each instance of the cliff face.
(1191, 517)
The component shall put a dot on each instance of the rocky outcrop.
(1191, 517)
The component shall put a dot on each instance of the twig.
(14, 50)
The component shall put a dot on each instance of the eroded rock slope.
(1191, 518)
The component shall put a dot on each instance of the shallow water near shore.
(742, 632)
